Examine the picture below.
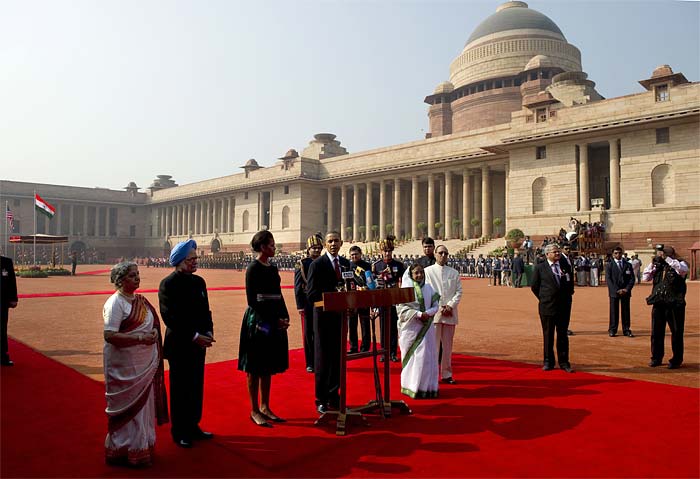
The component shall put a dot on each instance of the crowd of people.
(420, 337)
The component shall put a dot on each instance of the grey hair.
(550, 247)
(119, 271)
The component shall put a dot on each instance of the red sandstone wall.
(484, 109)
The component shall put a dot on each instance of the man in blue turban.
(181, 250)
(184, 307)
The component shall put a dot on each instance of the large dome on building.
(514, 16)
(502, 45)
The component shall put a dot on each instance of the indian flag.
(43, 207)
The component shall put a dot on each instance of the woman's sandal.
(272, 417)
(259, 419)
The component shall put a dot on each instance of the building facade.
(518, 134)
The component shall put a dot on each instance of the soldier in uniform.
(359, 266)
(390, 272)
(314, 246)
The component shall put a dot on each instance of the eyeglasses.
(193, 258)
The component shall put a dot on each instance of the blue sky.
(100, 93)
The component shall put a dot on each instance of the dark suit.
(518, 270)
(184, 307)
(301, 274)
(395, 270)
(361, 314)
(619, 278)
(8, 294)
(554, 308)
(327, 330)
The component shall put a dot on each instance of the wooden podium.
(346, 301)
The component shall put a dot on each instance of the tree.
(375, 231)
(438, 227)
(389, 228)
(456, 224)
(515, 238)
(363, 230)
(497, 221)
(475, 223)
(423, 228)
(348, 230)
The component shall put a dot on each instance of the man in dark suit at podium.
(325, 273)
(620, 277)
(552, 283)
(8, 298)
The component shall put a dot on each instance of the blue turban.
(181, 250)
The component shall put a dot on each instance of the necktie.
(338, 274)
(619, 264)
(557, 272)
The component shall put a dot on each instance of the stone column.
(414, 207)
(329, 207)
(70, 220)
(173, 222)
(614, 174)
(397, 207)
(448, 205)
(466, 204)
(85, 221)
(584, 189)
(368, 211)
(195, 212)
(343, 211)
(507, 198)
(431, 206)
(485, 201)
(356, 212)
(223, 216)
(441, 202)
(382, 210)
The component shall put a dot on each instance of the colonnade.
(407, 203)
(584, 175)
(196, 217)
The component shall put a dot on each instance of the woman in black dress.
(263, 348)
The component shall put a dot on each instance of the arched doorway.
(215, 245)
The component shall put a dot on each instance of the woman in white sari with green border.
(419, 376)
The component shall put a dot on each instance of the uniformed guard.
(389, 271)
(314, 246)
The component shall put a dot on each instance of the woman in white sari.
(419, 357)
(133, 367)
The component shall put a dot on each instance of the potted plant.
(363, 231)
(348, 232)
(475, 223)
(497, 222)
(456, 225)
(389, 228)
(515, 238)
(438, 228)
(375, 231)
(423, 228)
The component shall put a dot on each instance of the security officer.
(314, 246)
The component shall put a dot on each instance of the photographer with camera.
(667, 299)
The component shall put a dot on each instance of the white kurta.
(419, 376)
(128, 370)
(446, 281)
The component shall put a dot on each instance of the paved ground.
(495, 322)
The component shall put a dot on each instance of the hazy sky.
(100, 93)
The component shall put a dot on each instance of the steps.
(416, 248)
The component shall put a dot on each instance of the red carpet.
(502, 419)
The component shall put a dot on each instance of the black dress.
(263, 349)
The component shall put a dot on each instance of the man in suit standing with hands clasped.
(325, 273)
(552, 283)
(619, 275)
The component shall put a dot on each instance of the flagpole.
(34, 200)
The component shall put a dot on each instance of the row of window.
(509, 46)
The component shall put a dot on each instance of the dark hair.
(617, 248)
(428, 240)
(260, 239)
(355, 248)
(413, 268)
(332, 232)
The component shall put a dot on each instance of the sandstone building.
(518, 133)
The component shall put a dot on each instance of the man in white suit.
(445, 281)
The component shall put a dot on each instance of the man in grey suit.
(552, 283)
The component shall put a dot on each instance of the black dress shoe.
(309, 369)
(654, 362)
(566, 368)
(199, 434)
(185, 443)
(547, 367)
(629, 334)
(352, 351)
(673, 365)
(381, 359)
(394, 359)
(322, 408)
(8, 362)
(569, 332)
(449, 381)
(612, 334)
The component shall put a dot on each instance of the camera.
(659, 247)
(658, 260)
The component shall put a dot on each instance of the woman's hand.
(284, 323)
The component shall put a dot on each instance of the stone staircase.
(474, 246)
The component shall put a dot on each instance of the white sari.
(419, 376)
(129, 372)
